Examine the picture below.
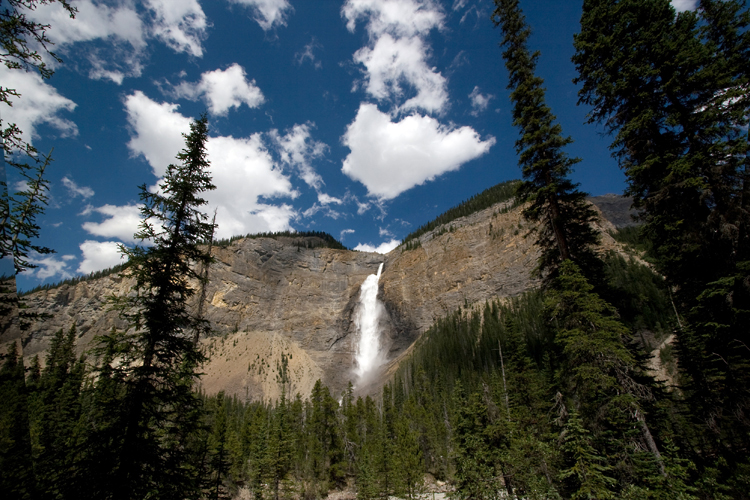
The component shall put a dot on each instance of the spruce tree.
(561, 210)
(156, 359)
(586, 475)
(599, 375)
(58, 435)
(17, 479)
(672, 90)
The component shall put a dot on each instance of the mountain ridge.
(273, 303)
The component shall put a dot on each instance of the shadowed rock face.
(275, 307)
(616, 209)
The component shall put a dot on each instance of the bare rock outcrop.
(281, 311)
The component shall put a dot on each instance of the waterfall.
(369, 356)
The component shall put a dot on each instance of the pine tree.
(476, 475)
(587, 473)
(24, 46)
(58, 435)
(218, 461)
(599, 373)
(17, 479)
(409, 458)
(565, 217)
(156, 359)
(672, 90)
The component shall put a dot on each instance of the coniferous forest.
(543, 396)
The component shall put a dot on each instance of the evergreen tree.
(21, 39)
(565, 217)
(599, 374)
(476, 474)
(218, 460)
(409, 459)
(156, 359)
(58, 435)
(586, 474)
(672, 90)
(17, 479)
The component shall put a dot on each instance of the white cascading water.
(369, 356)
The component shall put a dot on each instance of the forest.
(543, 396)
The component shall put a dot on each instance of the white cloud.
(76, 190)
(479, 101)
(394, 61)
(157, 130)
(384, 232)
(325, 199)
(682, 5)
(298, 149)
(222, 90)
(242, 168)
(50, 266)
(397, 17)
(39, 104)
(383, 248)
(391, 157)
(121, 222)
(308, 54)
(344, 232)
(397, 53)
(93, 21)
(98, 255)
(268, 13)
(321, 207)
(180, 24)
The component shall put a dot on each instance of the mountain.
(284, 308)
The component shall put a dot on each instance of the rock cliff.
(277, 308)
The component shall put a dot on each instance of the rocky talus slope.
(277, 308)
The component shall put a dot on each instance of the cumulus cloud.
(344, 232)
(479, 101)
(298, 149)
(243, 170)
(98, 255)
(126, 31)
(682, 5)
(383, 248)
(114, 21)
(120, 222)
(156, 130)
(222, 90)
(76, 190)
(181, 24)
(39, 104)
(393, 62)
(397, 17)
(390, 157)
(50, 266)
(268, 13)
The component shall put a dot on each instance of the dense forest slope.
(287, 305)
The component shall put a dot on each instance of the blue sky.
(361, 118)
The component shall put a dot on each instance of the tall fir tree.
(17, 478)
(156, 359)
(672, 90)
(563, 214)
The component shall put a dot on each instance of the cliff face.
(275, 307)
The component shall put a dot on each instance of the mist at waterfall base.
(370, 349)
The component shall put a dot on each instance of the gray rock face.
(271, 302)
(616, 209)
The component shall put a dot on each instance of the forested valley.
(543, 396)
